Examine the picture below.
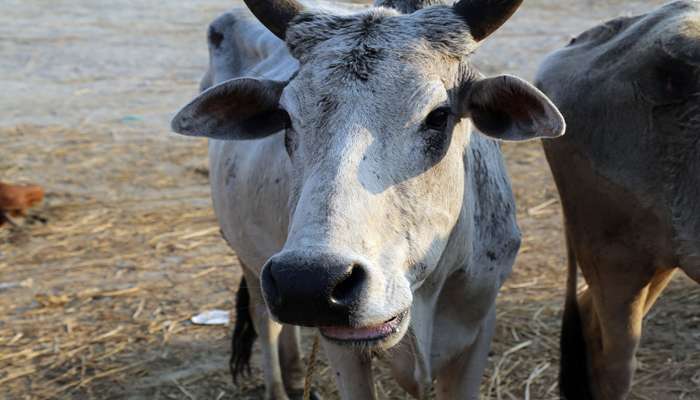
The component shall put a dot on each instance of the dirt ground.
(98, 284)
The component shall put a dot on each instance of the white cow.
(346, 177)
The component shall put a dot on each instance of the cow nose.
(313, 290)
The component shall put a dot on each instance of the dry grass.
(106, 282)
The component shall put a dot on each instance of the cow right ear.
(238, 109)
(508, 108)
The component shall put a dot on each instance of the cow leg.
(269, 333)
(612, 311)
(293, 367)
(657, 285)
(290, 359)
(353, 371)
(461, 378)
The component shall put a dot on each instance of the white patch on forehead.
(412, 100)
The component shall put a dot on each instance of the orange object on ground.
(16, 199)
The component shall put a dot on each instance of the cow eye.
(437, 119)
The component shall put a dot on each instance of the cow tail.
(243, 334)
(573, 367)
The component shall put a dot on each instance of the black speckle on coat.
(491, 255)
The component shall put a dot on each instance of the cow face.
(376, 123)
(645, 135)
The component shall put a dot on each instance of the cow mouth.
(366, 334)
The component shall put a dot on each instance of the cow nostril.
(347, 290)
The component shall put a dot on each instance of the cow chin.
(379, 336)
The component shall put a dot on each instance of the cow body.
(346, 177)
(251, 194)
(628, 174)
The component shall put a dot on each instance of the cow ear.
(238, 109)
(508, 108)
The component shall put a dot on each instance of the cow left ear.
(238, 109)
(508, 108)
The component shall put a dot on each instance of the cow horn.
(275, 14)
(485, 16)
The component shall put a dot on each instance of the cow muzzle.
(314, 290)
(330, 292)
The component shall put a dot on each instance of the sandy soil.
(98, 284)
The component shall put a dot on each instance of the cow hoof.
(299, 395)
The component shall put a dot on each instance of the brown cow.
(628, 173)
(16, 199)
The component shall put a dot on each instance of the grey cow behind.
(628, 172)
(346, 177)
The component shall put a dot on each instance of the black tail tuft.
(243, 335)
(573, 373)
(574, 380)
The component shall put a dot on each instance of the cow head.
(376, 123)
(645, 135)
